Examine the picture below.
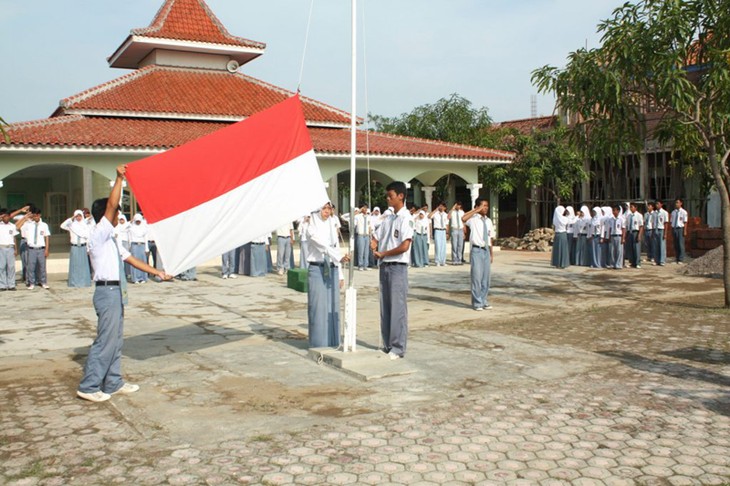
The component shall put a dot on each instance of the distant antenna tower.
(533, 106)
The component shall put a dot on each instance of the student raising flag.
(202, 197)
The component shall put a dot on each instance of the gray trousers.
(36, 271)
(228, 262)
(103, 369)
(283, 253)
(649, 242)
(615, 252)
(439, 243)
(481, 267)
(323, 307)
(138, 252)
(678, 234)
(633, 243)
(24, 258)
(7, 268)
(363, 253)
(394, 307)
(457, 246)
(303, 252)
(660, 247)
(258, 260)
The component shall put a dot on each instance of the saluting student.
(561, 250)
(606, 235)
(618, 239)
(649, 224)
(79, 273)
(8, 251)
(37, 235)
(661, 228)
(481, 231)
(679, 221)
(103, 369)
(362, 237)
(594, 235)
(391, 245)
(324, 279)
(139, 246)
(635, 234)
(456, 233)
(580, 230)
(303, 241)
(440, 223)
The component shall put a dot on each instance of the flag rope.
(306, 42)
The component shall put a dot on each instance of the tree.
(656, 56)
(545, 159)
(451, 119)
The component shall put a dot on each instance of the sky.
(410, 52)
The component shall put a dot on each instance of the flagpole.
(350, 294)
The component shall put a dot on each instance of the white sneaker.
(233, 275)
(638, 266)
(45, 286)
(488, 307)
(31, 287)
(394, 356)
(281, 272)
(478, 309)
(126, 389)
(97, 396)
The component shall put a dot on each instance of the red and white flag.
(223, 190)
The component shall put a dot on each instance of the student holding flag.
(103, 371)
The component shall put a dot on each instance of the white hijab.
(559, 217)
(571, 214)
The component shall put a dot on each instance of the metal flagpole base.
(350, 340)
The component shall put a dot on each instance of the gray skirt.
(561, 251)
(79, 274)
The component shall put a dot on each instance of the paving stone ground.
(576, 377)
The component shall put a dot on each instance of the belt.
(78, 244)
(439, 229)
(107, 283)
(285, 237)
(634, 231)
(320, 264)
(36, 247)
(393, 263)
(480, 247)
(615, 236)
(258, 243)
(135, 243)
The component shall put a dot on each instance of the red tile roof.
(139, 133)
(186, 91)
(528, 125)
(191, 20)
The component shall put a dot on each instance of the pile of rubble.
(708, 265)
(540, 239)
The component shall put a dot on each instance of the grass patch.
(262, 438)
(35, 470)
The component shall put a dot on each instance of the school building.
(187, 79)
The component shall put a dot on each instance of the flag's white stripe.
(247, 212)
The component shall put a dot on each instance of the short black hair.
(3, 210)
(659, 201)
(398, 187)
(650, 204)
(35, 210)
(99, 208)
(679, 199)
(618, 207)
(478, 202)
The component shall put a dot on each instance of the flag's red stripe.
(180, 179)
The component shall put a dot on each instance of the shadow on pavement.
(700, 354)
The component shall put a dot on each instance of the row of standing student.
(33, 247)
(607, 237)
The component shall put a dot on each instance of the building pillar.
(644, 177)
(87, 188)
(428, 191)
(474, 190)
(331, 186)
(494, 211)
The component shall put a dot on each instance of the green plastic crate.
(296, 279)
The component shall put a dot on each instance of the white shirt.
(395, 229)
(649, 220)
(617, 225)
(78, 231)
(138, 233)
(421, 226)
(362, 224)
(440, 220)
(303, 224)
(285, 230)
(635, 221)
(7, 234)
(324, 241)
(121, 232)
(36, 239)
(104, 253)
(661, 219)
(679, 218)
(455, 221)
(477, 225)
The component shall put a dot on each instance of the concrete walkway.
(575, 377)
